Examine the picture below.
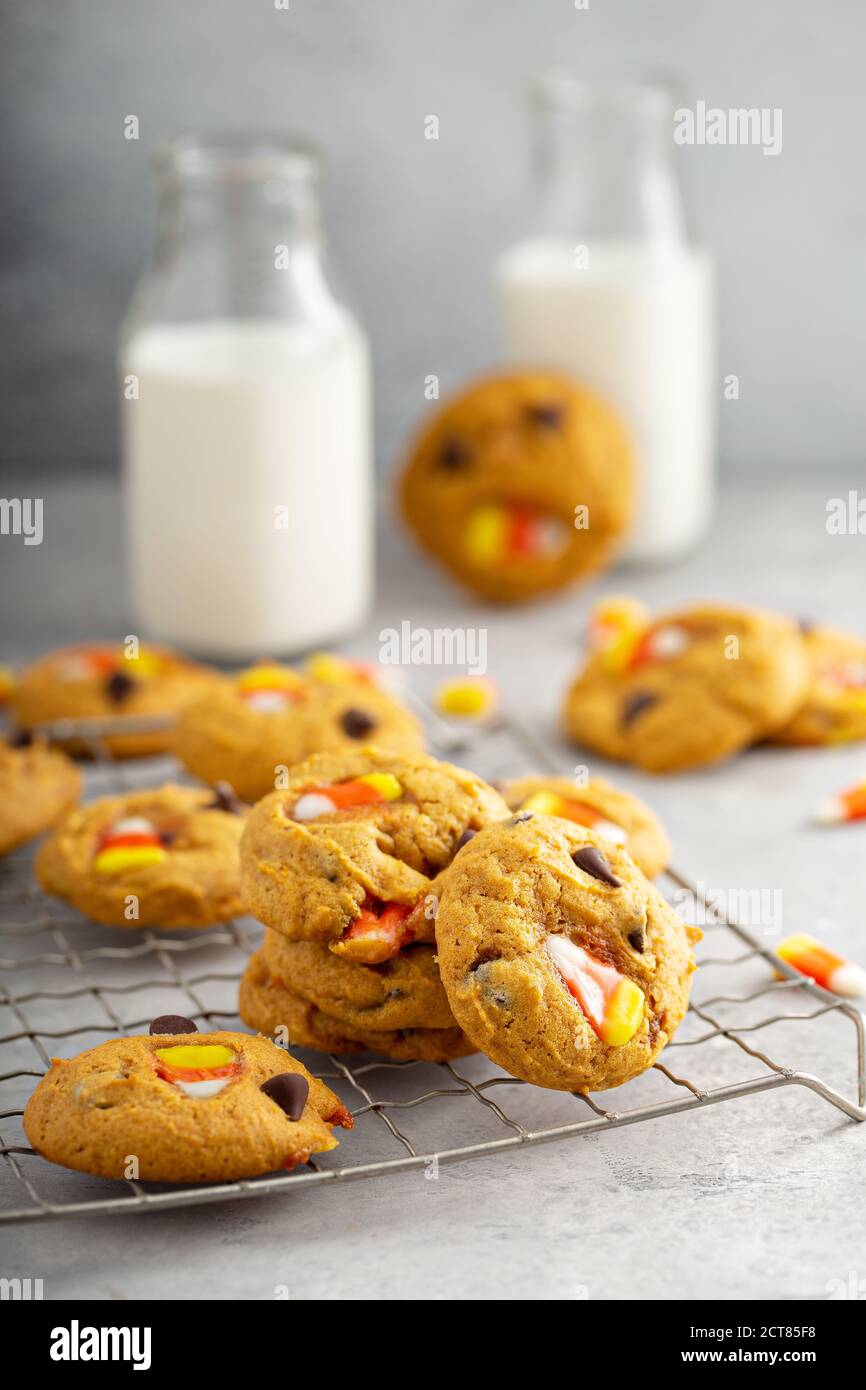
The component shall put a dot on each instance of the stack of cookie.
(341, 867)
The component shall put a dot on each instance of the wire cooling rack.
(67, 984)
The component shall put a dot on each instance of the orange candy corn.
(612, 1003)
(269, 688)
(849, 805)
(368, 790)
(547, 803)
(131, 843)
(811, 958)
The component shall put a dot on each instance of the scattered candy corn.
(472, 697)
(200, 1070)
(849, 805)
(369, 790)
(613, 1004)
(131, 843)
(269, 688)
(615, 627)
(546, 803)
(383, 934)
(338, 670)
(509, 531)
(808, 956)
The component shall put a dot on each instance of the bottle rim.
(559, 89)
(237, 156)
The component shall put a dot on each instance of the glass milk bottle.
(245, 403)
(606, 286)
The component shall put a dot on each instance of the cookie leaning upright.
(689, 688)
(614, 814)
(269, 716)
(519, 485)
(38, 785)
(347, 850)
(560, 959)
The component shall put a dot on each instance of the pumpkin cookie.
(520, 485)
(268, 717)
(403, 992)
(560, 959)
(269, 1006)
(161, 858)
(616, 815)
(834, 710)
(38, 785)
(690, 688)
(182, 1106)
(102, 682)
(346, 854)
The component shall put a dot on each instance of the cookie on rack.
(163, 857)
(521, 484)
(692, 687)
(615, 814)
(269, 717)
(266, 1004)
(346, 853)
(182, 1106)
(561, 961)
(834, 709)
(38, 785)
(100, 681)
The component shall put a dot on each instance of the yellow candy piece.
(330, 669)
(623, 1014)
(202, 1057)
(543, 803)
(268, 677)
(485, 534)
(115, 861)
(471, 698)
(615, 627)
(145, 664)
(385, 783)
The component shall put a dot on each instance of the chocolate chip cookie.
(560, 959)
(38, 785)
(614, 814)
(520, 485)
(166, 857)
(182, 1106)
(689, 688)
(834, 708)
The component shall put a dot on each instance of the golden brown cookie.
(346, 853)
(834, 710)
(38, 785)
(403, 992)
(268, 717)
(519, 485)
(166, 857)
(616, 815)
(267, 1005)
(100, 681)
(182, 1107)
(560, 959)
(689, 688)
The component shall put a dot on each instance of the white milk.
(248, 466)
(638, 328)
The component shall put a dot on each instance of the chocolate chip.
(22, 738)
(465, 838)
(226, 799)
(637, 939)
(806, 625)
(453, 456)
(290, 1092)
(357, 723)
(524, 815)
(593, 862)
(635, 704)
(168, 1024)
(167, 837)
(119, 687)
(549, 415)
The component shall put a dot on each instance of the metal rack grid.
(181, 971)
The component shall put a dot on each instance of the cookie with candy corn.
(182, 1106)
(269, 717)
(834, 709)
(614, 814)
(166, 857)
(38, 785)
(520, 484)
(101, 681)
(560, 959)
(689, 688)
(346, 853)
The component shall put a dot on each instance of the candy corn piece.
(473, 697)
(199, 1070)
(376, 937)
(659, 644)
(338, 670)
(819, 963)
(845, 806)
(547, 803)
(147, 663)
(131, 843)
(7, 683)
(615, 628)
(369, 790)
(612, 1003)
(269, 688)
(509, 531)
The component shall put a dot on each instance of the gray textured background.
(414, 224)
